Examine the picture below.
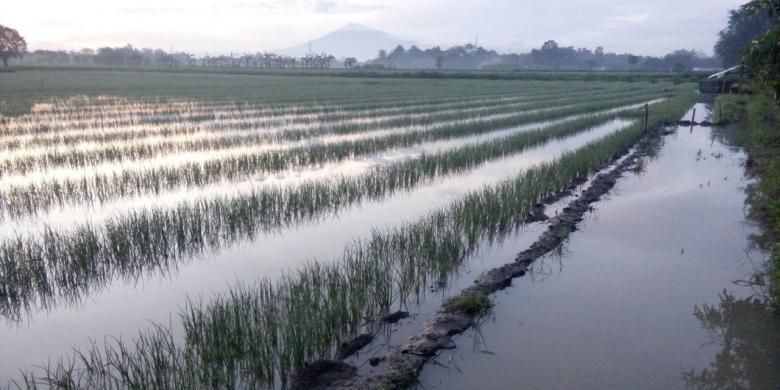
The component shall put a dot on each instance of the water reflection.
(549, 265)
(32, 195)
(256, 334)
(747, 329)
(748, 332)
(66, 266)
(302, 315)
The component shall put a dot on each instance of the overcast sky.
(650, 27)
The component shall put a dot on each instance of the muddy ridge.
(404, 364)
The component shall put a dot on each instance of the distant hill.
(352, 40)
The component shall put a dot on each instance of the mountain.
(352, 40)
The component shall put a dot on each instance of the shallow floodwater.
(124, 307)
(61, 218)
(643, 296)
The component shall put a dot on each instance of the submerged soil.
(650, 293)
(459, 313)
(151, 298)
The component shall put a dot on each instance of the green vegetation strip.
(36, 197)
(100, 111)
(57, 264)
(20, 90)
(256, 335)
(130, 149)
(295, 127)
(757, 121)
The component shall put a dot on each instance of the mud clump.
(349, 348)
(704, 123)
(323, 374)
(393, 318)
(374, 361)
(537, 214)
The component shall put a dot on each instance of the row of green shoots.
(97, 188)
(257, 335)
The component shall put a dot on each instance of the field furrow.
(45, 192)
(244, 338)
(228, 229)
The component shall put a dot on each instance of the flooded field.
(226, 240)
(654, 290)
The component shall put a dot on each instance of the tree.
(681, 60)
(550, 45)
(551, 54)
(763, 57)
(397, 52)
(349, 62)
(773, 6)
(439, 61)
(763, 54)
(744, 26)
(119, 56)
(322, 60)
(633, 60)
(11, 44)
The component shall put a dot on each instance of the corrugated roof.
(725, 72)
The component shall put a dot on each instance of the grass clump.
(732, 108)
(757, 117)
(470, 302)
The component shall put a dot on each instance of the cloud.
(324, 6)
(346, 7)
(640, 26)
(146, 11)
(631, 18)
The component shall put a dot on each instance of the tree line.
(130, 56)
(550, 55)
(752, 38)
(746, 25)
(469, 56)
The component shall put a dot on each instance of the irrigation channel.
(226, 244)
(652, 291)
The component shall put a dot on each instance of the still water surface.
(643, 296)
(124, 307)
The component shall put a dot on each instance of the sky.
(646, 27)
